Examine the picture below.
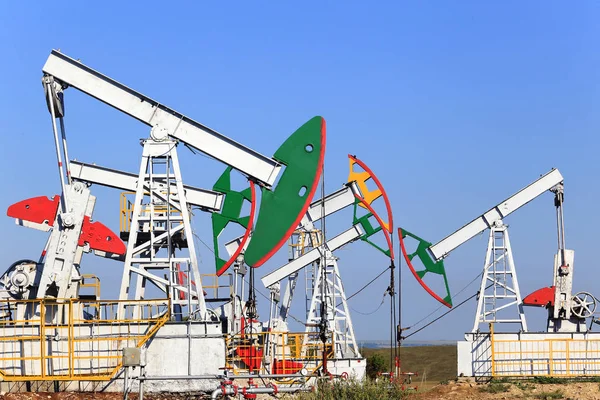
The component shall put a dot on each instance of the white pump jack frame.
(140, 257)
(73, 73)
(441, 249)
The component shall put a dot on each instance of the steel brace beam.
(296, 265)
(207, 199)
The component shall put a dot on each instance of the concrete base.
(167, 355)
(353, 368)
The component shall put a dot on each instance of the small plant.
(495, 387)
(375, 365)
(557, 394)
(355, 390)
(444, 382)
(548, 380)
(524, 385)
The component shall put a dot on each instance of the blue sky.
(455, 105)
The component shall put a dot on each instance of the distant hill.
(379, 344)
(433, 363)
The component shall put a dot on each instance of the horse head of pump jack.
(281, 208)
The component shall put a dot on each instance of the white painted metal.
(45, 227)
(564, 264)
(485, 221)
(232, 246)
(499, 288)
(584, 305)
(73, 73)
(312, 238)
(54, 105)
(56, 275)
(301, 242)
(294, 266)
(329, 296)
(325, 284)
(561, 317)
(334, 202)
(159, 170)
(566, 314)
(63, 251)
(207, 199)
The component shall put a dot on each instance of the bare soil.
(93, 396)
(465, 390)
(469, 390)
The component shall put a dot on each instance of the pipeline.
(221, 376)
(227, 388)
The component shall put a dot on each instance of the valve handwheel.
(584, 304)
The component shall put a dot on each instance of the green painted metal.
(431, 266)
(230, 212)
(368, 227)
(282, 208)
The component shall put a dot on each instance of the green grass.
(549, 380)
(495, 387)
(352, 390)
(557, 394)
(437, 363)
(524, 385)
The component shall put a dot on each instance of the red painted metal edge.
(386, 233)
(541, 297)
(251, 356)
(180, 280)
(100, 237)
(313, 189)
(36, 209)
(246, 234)
(414, 272)
(380, 187)
(282, 367)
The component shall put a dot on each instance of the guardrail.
(278, 353)
(74, 339)
(562, 357)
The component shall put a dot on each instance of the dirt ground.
(467, 390)
(91, 396)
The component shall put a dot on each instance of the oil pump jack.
(564, 349)
(160, 251)
(296, 167)
(499, 287)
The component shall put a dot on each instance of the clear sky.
(455, 105)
